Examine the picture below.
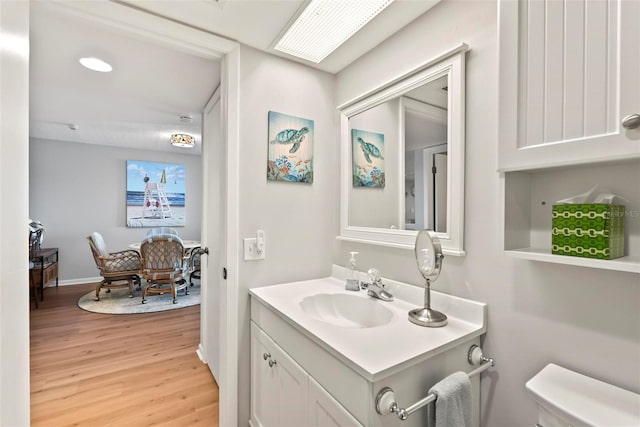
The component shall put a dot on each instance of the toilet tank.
(566, 398)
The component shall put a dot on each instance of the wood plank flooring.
(90, 369)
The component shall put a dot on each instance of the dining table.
(188, 245)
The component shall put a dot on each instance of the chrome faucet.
(376, 287)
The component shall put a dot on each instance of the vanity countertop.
(377, 352)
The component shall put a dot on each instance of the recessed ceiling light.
(325, 24)
(96, 64)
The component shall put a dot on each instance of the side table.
(46, 267)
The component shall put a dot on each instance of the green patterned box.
(588, 230)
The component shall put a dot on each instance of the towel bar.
(386, 401)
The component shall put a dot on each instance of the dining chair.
(162, 230)
(163, 265)
(118, 269)
(194, 264)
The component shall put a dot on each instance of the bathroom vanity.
(320, 354)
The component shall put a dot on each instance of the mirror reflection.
(399, 161)
(402, 157)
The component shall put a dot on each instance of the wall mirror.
(402, 158)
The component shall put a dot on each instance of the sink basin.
(346, 311)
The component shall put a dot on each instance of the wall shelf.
(629, 264)
(557, 140)
(529, 195)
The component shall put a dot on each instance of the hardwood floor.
(91, 369)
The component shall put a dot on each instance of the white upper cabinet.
(569, 75)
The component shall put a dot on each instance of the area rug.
(118, 302)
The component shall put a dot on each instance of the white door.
(213, 233)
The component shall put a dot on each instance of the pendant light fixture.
(183, 140)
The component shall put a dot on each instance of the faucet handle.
(374, 275)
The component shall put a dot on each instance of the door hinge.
(434, 170)
(224, 273)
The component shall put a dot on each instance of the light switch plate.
(251, 249)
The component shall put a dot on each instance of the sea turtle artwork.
(290, 154)
(291, 136)
(369, 150)
(368, 161)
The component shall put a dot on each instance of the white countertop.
(378, 351)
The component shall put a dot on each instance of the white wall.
(14, 187)
(76, 189)
(421, 132)
(383, 119)
(581, 318)
(300, 220)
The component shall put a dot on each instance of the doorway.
(203, 44)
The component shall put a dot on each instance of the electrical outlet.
(251, 251)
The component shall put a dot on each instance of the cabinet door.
(278, 385)
(568, 76)
(325, 411)
(290, 390)
(264, 397)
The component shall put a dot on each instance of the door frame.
(200, 43)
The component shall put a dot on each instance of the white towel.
(453, 405)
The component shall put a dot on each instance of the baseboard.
(200, 353)
(81, 281)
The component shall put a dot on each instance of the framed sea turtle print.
(368, 158)
(290, 148)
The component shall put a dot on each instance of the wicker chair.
(118, 269)
(194, 264)
(163, 265)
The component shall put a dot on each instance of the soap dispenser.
(353, 284)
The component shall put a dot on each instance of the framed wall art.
(156, 194)
(368, 158)
(290, 155)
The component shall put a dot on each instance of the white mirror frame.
(451, 63)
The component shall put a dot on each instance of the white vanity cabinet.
(284, 395)
(328, 373)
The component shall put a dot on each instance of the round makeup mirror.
(429, 258)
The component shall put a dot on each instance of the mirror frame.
(451, 63)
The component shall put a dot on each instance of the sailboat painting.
(155, 194)
(290, 156)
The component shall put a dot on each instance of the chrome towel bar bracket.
(386, 401)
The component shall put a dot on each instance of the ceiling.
(140, 102)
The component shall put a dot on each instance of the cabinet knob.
(272, 363)
(631, 121)
(265, 356)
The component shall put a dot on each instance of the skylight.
(326, 24)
